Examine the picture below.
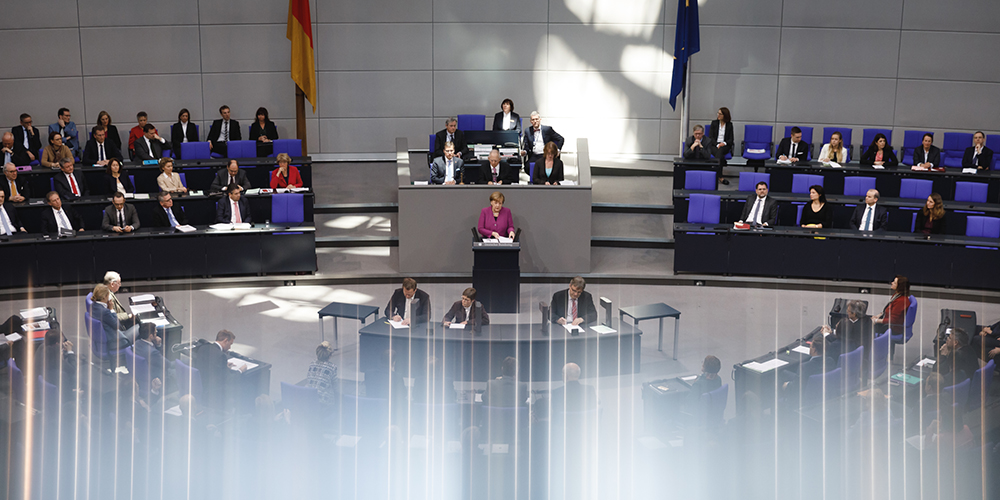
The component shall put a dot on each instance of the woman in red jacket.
(894, 314)
(285, 175)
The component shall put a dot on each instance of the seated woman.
(549, 171)
(467, 312)
(264, 132)
(507, 119)
(285, 176)
(879, 154)
(930, 219)
(817, 213)
(978, 156)
(182, 131)
(115, 179)
(835, 151)
(894, 314)
(720, 140)
(322, 376)
(168, 180)
(104, 120)
(55, 151)
(495, 220)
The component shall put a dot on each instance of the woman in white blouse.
(168, 180)
(834, 151)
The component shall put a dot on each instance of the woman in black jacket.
(549, 170)
(721, 139)
(512, 121)
(930, 219)
(879, 153)
(264, 132)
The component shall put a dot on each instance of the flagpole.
(685, 106)
(300, 118)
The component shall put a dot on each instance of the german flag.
(303, 61)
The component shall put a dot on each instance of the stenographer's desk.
(837, 254)
(478, 358)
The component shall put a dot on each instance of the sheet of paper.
(142, 308)
(159, 322)
(142, 196)
(237, 363)
(139, 299)
(755, 151)
(926, 362)
(222, 227)
(242, 225)
(572, 328)
(690, 378)
(36, 326)
(299, 190)
(603, 330)
(490, 240)
(503, 239)
(397, 324)
(566, 182)
(878, 167)
(420, 183)
(184, 228)
(835, 164)
(969, 170)
(253, 191)
(801, 349)
(456, 326)
(174, 410)
(35, 313)
(766, 366)
(479, 397)
(196, 193)
(13, 337)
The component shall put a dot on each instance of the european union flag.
(686, 43)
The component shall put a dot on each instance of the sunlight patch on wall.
(648, 67)
(636, 18)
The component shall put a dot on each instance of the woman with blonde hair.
(322, 375)
(834, 151)
(285, 176)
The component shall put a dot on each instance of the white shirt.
(467, 313)
(868, 218)
(184, 131)
(793, 148)
(224, 134)
(26, 146)
(149, 147)
(406, 311)
(506, 121)
(121, 220)
(6, 226)
(449, 170)
(722, 133)
(121, 188)
(101, 155)
(757, 211)
(539, 145)
(926, 155)
(61, 220)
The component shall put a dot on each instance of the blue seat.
(880, 355)
(287, 208)
(868, 135)
(912, 139)
(184, 181)
(729, 155)
(858, 185)
(913, 221)
(364, 416)
(749, 180)
(845, 133)
(704, 209)
(48, 401)
(430, 146)
(916, 189)
(980, 386)
(802, 182)
(88, 302)
(98, 340)
(982, 227)
(699, 180)
(954, 147)
(52, 184)
(757, 137)
(957, 394)
(807, 137)
(302, 403)
(851, 363)
(992, 142)
(38, 158)
(188, 379)
(971, 191)
(798, 213)
(140, 372)
(16, 377)
(823, 386)
(196, 151)
(907, 333)
(291, 147)
(241, 149)
(471, 122)
(714, 404)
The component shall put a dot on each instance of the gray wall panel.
(376, 94)
(56, 54)
(128, 13)
(245, 92)
(959, 105)
(39, 14)
(361, 47)
(735, 13)
(245, 11)
(570, 91)
(750, 98)
(839, 52)
(228, 49)
(35, 97)
(372, 135)
(581, 48)
(489, 11)
(878, 14)
(488, 46)
(480, 92)
(735, 49)
(139, 51)
(373, 11)
(124, 96)
(621, 16)
(867, 101)
(670, 137)
(953, 15)
(947, 56)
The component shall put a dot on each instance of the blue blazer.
(71, 137)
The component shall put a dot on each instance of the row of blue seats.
(235, 149)
(952, 150)
(918, 189)
(706, 209)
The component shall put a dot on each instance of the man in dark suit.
(696, 145)
(56, 360)
(223, 130)
(17, 190)
(447, 169)
(99, 150)
(148, 345)
(59, 216)
(792, 148)
(233, 209)
(793, 383)
(467, 311)
(978, 156)
(760, 209)
(927, 155)
(855, 329)
(150, 145)
(956, 360)
(8, 152)
(212, 363)
(871, 216)
(166, 215)
(9, 223)
(120, 217)
(537, 136)
(229, 175)
(27, 139)
(574, 305)
(69, 184)
(409, 305)
(450, 134)
(494, 171)
(505, 390)
(572, 396)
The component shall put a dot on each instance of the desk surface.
(492, 332)
(352, 311)
(650, 311)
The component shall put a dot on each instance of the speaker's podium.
(496, 273)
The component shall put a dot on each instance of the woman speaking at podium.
(495, 220)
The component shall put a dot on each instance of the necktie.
(6, 158)
(13, 189)
(121, 220)
(225, 131)
(574, 309)
(170, 217)
(72, 184)
(231, 179)
(406, 313)
(26, 146)
(4, 221)
(100, 152)
(868, 219)
(793, 150)
(64, 221)
(494, 174)
(756, 211)
(236, 213)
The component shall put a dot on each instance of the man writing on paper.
(760, 209)
(212, 361)
(574, 306)
(408, 305)
(468, 312)
(792, 148)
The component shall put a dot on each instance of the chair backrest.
(506, 422)
(430, 146)
(131, 178)
(287, 208)
(48, 402)
(195, 151)
(302, 402)
(130, 359)
(88, 302)
(911, 317)
(858, 185)
(472, 122)
(52, 184)
(704, 208)
(912, 139)
(715, 407)
(880, 355)
(982, 227)
(802, 182)
(917, 189)
(749, 180)
(363, 415)
(291, 147)
(758, 136)
(868, 135)
(992, 142)
(971, 191)
(140, 372)
(184, 181)
(845, 132)
(17, 387)
(957, 394)
(798, 213)
(823, 386)
(982, 379)
(241, 149)
(188, 379)
(699, 180)
(98, 341)
(954, 147)
(851, 363)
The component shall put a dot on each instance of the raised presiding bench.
(149, 254)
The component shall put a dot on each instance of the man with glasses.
(166, 215)
(27, 140)
(15, 189)
(120, 217)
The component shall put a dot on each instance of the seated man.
(409, 305)
(67, 129)
(150, 146)
(696, 150)
(223, 130)
(494, 171)
(8, 153)
(9, 223)
(856, 329)
(574, 305)
(166, 215)
(27, 140)
(449, 134)
(537, 136)
(978, 156)
(149, 345)
(59, 217)
(99, 150)
(793, 383)
(211, 360)
(17, 190)
(56, 360)
(126, 320)
(572, 396)
(120, 217)
(506, 391)
(927, 155)
(447, 169)
(229, 175)
(233, 209)
(102, 311)
(468, 312)
(870, 216)
(760, 209)
(137, 132)
(69, 184)
(709, 379)
(792, 148)
(956, 360)
(987, 343)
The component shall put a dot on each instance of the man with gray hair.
(17, 190)
(126, 320)
(450, 134)
(574, 305)
(537, 136)
(69, 184)
(695, 150)
(572, 396)
(7, 149)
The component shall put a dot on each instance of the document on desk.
(398, 324)
(573, 328)
(498, 240)
(603, 330)
(456, 326)
(174, 410)
(253, 191)
(142, 308)
(969, 170)
(13, 337)
(222, 226)
(766, 366)
(184, 228)
(34, 313)
(801, 350)
(158, 322)
(690, 378)
(241, 226)
(140, 299)
(36, 326)
(926, 362)
(237, 363)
